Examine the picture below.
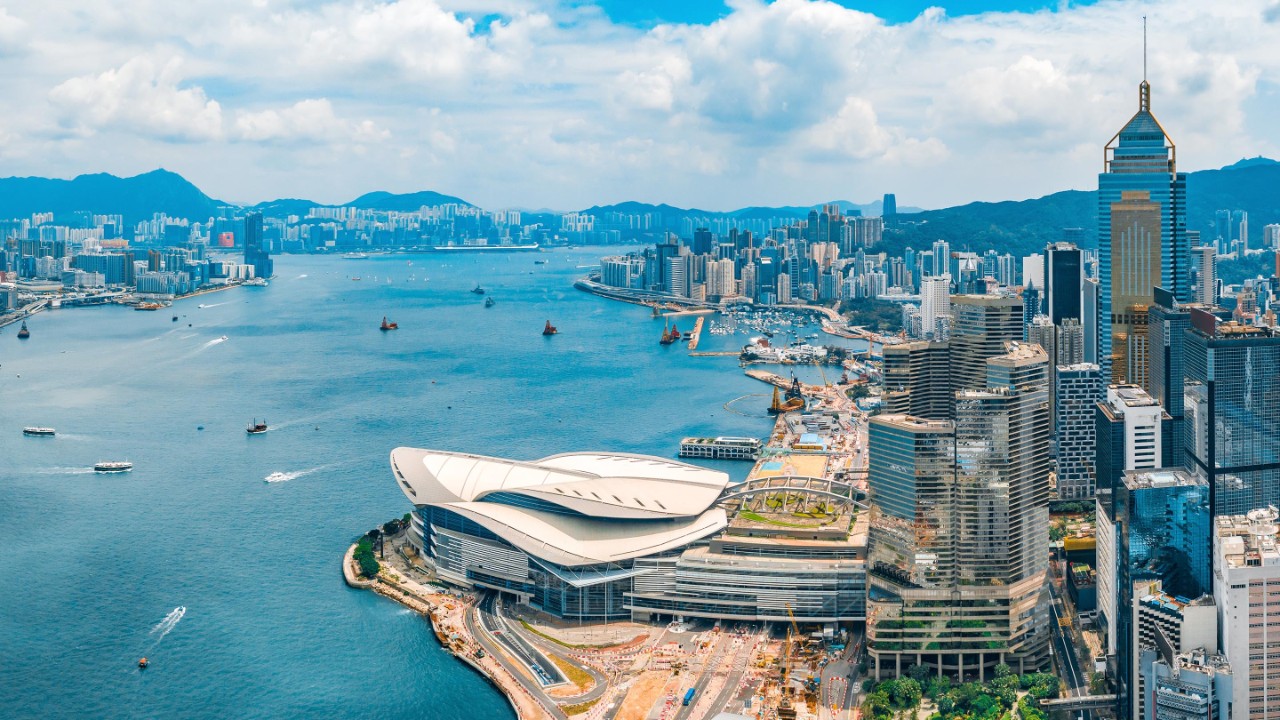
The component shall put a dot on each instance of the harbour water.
(246, 532)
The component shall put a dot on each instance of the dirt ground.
(643, 694)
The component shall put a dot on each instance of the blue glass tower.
(1140, 158)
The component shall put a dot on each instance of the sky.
(565, 104)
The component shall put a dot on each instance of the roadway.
(1065, 658)
(471, 619)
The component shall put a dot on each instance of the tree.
(1003, 671)
(920, 673)
(938, 687)
(906, 693)
(364, 558)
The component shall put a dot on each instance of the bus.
(688, 696)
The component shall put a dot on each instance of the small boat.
(38, 431)
(490, 302)
(175, 318)
(256, 427)
(355, 256)
(23, 332)
(477, 289)
(385, 326)
(669, 335)
(550, 329)
(539, 262)
(355, 277)
(113, 466)
(142, 664)
(148, 306)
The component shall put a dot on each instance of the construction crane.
(785, 710)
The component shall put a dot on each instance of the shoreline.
(409, 594)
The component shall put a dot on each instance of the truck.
(688, 696)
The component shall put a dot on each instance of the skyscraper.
(959, 528)
(255, 250)
(1141, 235)
(1075, 427)
(1063, 276)
(889, 206)
(1207, 277)
(1231, 394)
(982, 327)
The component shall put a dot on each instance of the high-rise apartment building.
(957, 555)
(935, 306)
(1141, 237)
(1246, 584)
(1271, 236)
(1206, 263)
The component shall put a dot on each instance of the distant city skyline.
(563, 105)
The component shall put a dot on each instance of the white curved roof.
(574, 541)
(597, 485)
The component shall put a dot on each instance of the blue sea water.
(90, 565)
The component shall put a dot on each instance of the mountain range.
(1019, 227)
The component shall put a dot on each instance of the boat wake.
(165, 626)
(279, 477)
(215, 341)
(301, 276)
(213, 305)
(64, 471)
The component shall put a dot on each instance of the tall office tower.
(917, 380)
(1063, 276)
(1161, 518)
(677, 274)
(1141, 221)
(981, 327)
(1090, 309)
(1271, 236)
(1040, 331)
(784, 288)
(959, 527)
(1075, 394)
(1129, 434)
(703, 240)
(1246, 577)
(935, 305)
(1231, 395)
(1135, 248)
(1242, 222)
(1168, 321)
(1193, 684)
(889, 206)
(255, 250)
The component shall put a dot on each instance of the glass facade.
(1163, 522)
(1141, 157)
(1231, 394)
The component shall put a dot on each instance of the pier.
(696, 335)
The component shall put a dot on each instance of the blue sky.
(647, 14)
(564, 105)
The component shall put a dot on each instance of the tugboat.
(550, 329)
(23, 332)
(490, 302)
(256, 428)
(477, 289)
(669, 335)
(385, 326)
(38, 431)
(113, 466)
(142, 664)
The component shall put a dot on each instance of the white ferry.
(720, 448)
(113, 466)
(38, 431)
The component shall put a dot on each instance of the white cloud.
(306, 121)
(548, 103)
(141, 96)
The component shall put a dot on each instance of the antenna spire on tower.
(1144, 48)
